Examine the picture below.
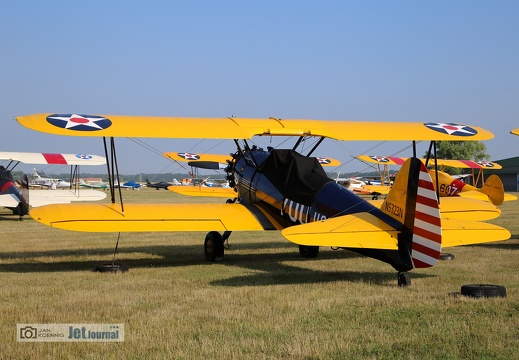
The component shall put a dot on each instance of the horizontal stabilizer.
(361, 230)
(149, 217)
(464, 232)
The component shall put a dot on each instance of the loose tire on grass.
(213, 246)
(111, 268)
(483, 290)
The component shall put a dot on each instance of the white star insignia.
(77, 120)
(451, 128)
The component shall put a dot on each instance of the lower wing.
(39, 198)
(154, 217)
(9, 200)
(203, 191)
(456, 207)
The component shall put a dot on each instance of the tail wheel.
(213, 246)
(404, 279)
(446, 256)
(309, 252)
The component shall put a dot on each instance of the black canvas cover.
(297, 177)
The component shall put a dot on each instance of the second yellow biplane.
(491, 189)
(284, 190)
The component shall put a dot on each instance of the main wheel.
(309, 252)
(404, 279)
(483, 290)
(213, 246)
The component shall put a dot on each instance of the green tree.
(461, 150)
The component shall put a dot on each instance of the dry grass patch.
(263, 301)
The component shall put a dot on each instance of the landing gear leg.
(404, 279)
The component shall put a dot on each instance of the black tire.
(213, 246)
(483, 290)
(309, 252)
(446, 256)
(111, 268)
(404, 279)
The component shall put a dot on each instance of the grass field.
(262, 302)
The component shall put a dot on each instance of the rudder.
(413, 202)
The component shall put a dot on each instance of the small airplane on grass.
(491, 190)
(158, 185)
(9, 192)
(128, 185)
(283, 190)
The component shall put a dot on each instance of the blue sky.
(426, 61)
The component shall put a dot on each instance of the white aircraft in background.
(39, 181)
(18, 202)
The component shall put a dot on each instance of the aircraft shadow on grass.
(272, 266)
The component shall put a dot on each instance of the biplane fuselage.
(288, 203)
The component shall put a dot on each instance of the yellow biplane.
(284, 190)
(491, 190)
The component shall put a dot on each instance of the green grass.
(262, 302)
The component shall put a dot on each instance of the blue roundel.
(452, 129)
(189, 156)
(84, 156)
(79, 122)
(324, 161)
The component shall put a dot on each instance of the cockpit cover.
(296, 176)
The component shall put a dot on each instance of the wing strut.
(114, 167)
(432, 146)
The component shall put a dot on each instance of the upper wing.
(154, 217)
(46, 158)
(386, 160)
(211, 161)
(195, 157)
(467, 164)
(244, 128)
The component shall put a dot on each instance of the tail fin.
(494, 189)
(35, 173)
(413, 202)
